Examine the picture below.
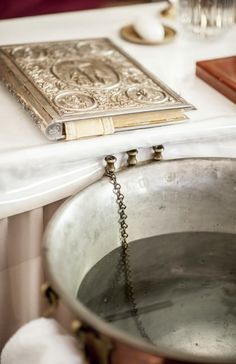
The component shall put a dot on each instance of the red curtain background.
(18, 8)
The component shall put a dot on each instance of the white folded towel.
(42, 341)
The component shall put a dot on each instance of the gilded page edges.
(108, 125)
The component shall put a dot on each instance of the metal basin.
(182, 235)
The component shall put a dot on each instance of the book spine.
(20, 87)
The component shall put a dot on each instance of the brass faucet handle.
(158, 150)
(132, 157)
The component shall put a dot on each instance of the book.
(219, 73)
(82, 88)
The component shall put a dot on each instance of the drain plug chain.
(125, 256)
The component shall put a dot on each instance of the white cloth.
(42, 341)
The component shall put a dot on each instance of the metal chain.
(125, 256)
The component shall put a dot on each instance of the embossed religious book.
(82, 88)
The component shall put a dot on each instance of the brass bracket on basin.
(110, 163)
(51, 297)
(132, 161)
(158, 150)
(132, 157)
(96, 346)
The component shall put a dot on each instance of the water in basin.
(184, 287)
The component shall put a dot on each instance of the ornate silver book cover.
(65, 82)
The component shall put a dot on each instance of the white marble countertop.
(35, 172)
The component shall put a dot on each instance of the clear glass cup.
(207, 18)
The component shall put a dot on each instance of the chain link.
(124, 263)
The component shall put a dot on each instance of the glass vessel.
(207, 18)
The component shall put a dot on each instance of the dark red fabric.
(18, 8)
